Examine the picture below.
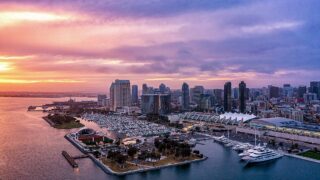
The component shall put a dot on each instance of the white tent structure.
(226, 118)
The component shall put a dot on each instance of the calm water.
(31, 149)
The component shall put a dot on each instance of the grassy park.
(311, 154)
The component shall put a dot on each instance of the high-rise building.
(135, 96)
(287, 90)
(102, 100)
(155, 104)
(144, 89)
(218, 96)
(274, 92)
(196, 94)
(308, 97)
(315, 88)
(205, 102)
(247, 94)
(301, 91)
(227, 97)
(120, 94)
(185, 96)
(242, 96)
(235, 93)
(162, 88)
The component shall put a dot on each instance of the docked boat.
(255, 149)
(264, 155)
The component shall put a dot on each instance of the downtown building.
(102, 100)
(185, 97)
(242, 97)
(315, 88)
(227, 103)
(155, 104)
(134, 95)
(120, 94)
(274, 92)
(197, 91)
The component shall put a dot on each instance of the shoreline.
(282, 152)
(108, 170)
(302, 158)
(52, 124)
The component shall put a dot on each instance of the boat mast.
(255, 137)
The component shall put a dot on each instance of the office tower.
(227, 97)
(205, 102)
(144, 89)
(315, 88)
(162, 88)
(301, 91)
(120, 94)
(247, 94)
(102, 100)
(308, 97)
(242, 97)
(185, 96)
(218, 96)
(274, 92)
(135, 96)
(155, 104)
(235, 93)
(196, 94)
(287, 90)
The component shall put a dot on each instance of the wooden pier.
(71, 159)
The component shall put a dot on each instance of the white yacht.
(261, 156)
(255, 149)
(242, 147)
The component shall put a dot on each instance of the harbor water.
(31, 149)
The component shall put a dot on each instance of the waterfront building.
(227, 97)
(155, 104)
(120, 94)
(135, 96)
(242, 98)
(185, 96)
(102, 100)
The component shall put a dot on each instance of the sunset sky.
(77, 45)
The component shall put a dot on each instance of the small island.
(63, 121)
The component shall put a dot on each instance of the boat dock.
(71, 159)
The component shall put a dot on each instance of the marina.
(127, 126)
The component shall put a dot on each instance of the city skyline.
(160, 89)
(82, 46)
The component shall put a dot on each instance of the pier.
(71, 160)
